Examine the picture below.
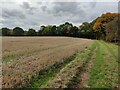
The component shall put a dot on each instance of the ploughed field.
(58, 62)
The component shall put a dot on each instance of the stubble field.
(58, 62)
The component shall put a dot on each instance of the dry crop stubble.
(16, 48)
(19, 72)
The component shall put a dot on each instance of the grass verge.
(104, 73)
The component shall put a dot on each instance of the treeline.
(104, 27)
(66, 29)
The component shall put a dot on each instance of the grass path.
(104, 73)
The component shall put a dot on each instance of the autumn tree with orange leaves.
(100, 25)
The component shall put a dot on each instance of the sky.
(34, 13)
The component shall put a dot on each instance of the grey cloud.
(25, 24)
(28, 8)
(65, 6)
(39, 3)
(11, 23)
(61, 8)
(74, 11)
(76, 19)
(25, 5)
(92, 4)
(12, 13)
(44, 8)
(71, 7)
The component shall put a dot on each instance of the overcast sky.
(34, 13)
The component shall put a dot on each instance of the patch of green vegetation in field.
(9, 58)
(104, 73)
(44, 76)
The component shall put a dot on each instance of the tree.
(99, 29)
(1, 32)
(25, 33)
(69, 31)
(47, 30)
(59, 30)
(86, 31)
(112, 30)
(64, 29)
(75, 31)
(31, 32)
(17, 31)
(53, 30)
(6, 32)
(100, 24)
(41, 30)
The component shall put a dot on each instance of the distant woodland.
(105, 27)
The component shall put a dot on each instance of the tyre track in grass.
(66, 77)
(112, 62)
(85, 73)
(81, 78)
(111, 49)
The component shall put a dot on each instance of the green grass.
(104, 73)
(9, 58)
(113, 49)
